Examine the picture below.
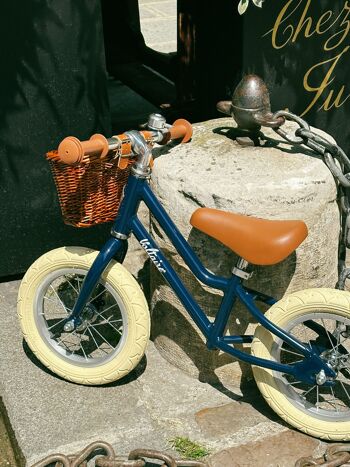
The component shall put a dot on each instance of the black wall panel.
(53, 84)
(302, 50)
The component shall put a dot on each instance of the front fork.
(114, 248)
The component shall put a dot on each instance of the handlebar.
(181, 129)
(73, 151)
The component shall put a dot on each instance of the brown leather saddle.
(258, 241)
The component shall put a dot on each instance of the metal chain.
(339, 165)
(336, 455)
(102, 454)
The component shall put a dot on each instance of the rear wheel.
(115, 322)
(320, 318)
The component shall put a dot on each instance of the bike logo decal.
(152, 253)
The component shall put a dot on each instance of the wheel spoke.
(51, 300)
(79, 282)
(330, 340)
(66, 341)
(283, 349)
(307, 392)
(334, 398)
(80, 344)
(346, 392)
(340, 343)
(56, 324)
(98, 295)
(111, 346)
(110, 323)
(338, 338)
(63, 340)
(293, 383)
(110, 307)
(97, 346)
(60, 301)
(72, 286)
(107, 321)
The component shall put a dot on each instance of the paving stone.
(165, 47)
(167, 9)
(228, 418)
(158, 30)
(141, 2)
(281, 450)
(159, 35)
(147, 12)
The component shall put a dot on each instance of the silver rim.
(322, 331)
(104, 329)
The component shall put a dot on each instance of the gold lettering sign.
(294, 22)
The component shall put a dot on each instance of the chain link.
(293, 139)
(102, 454)
(336, 455)
(339, 165)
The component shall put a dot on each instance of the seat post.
(240, 269)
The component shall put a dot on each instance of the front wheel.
(320, 318)
(115, 322)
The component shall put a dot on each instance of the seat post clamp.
(240, 273)
(241, 269)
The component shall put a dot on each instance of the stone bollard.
(275, 181)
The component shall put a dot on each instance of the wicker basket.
(89, 193)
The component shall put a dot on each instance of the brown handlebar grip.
(72, 151)
(181, 129)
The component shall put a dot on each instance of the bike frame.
(127, 222)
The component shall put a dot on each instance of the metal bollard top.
(250, 105)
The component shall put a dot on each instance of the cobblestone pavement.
(158, 24)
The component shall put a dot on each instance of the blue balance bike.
(86, 319)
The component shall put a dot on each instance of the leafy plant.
(188, 449)
(243, 5)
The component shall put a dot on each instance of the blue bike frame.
(127, 222)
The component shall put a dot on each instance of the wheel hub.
(88, 316)
(335, 359)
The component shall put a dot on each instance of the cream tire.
(122, 286)
(324, 303)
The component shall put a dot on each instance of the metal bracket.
(240, 273)
(141, 173)
(119, 235)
